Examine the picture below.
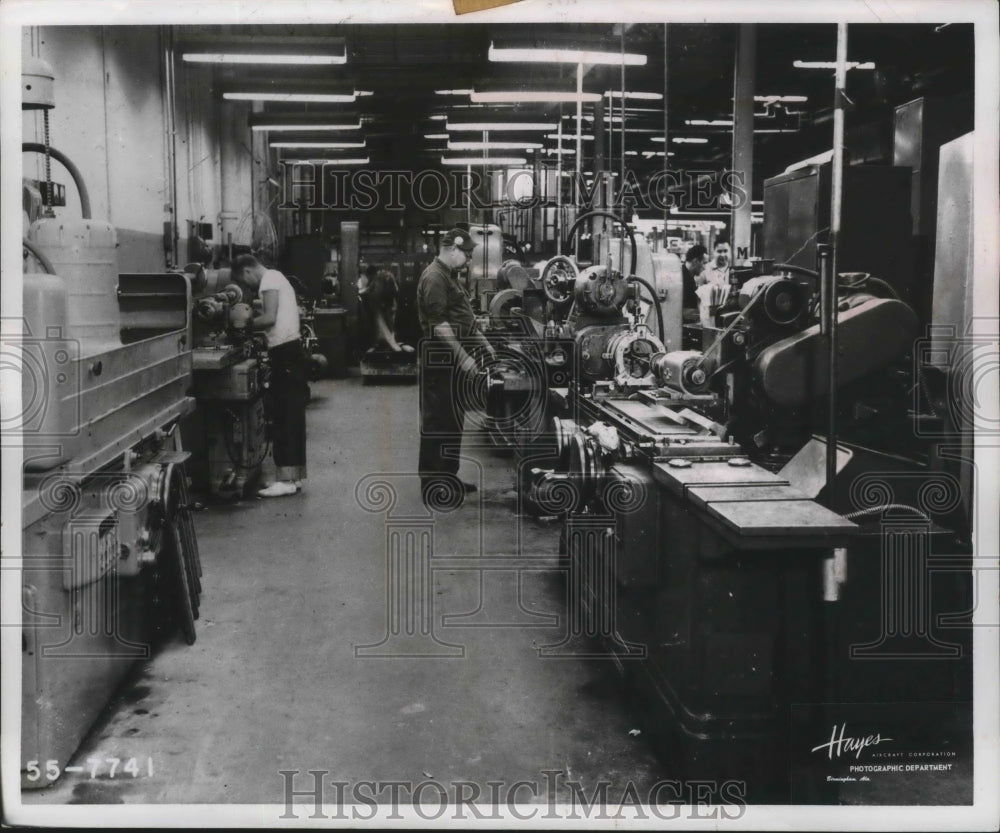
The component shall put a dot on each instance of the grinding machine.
(109, 551)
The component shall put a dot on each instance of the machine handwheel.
(187, 528)
(181, 547)
(175, 508)
(178, 567)
(558, 278)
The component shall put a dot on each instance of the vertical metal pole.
(666, 136)
(744, 82)
(599, 224)
(829, 298)
(559, 132)
(468, 202)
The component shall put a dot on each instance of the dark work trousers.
(287, 407)
(442, 412)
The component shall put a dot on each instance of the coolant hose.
(656, 304)
(74, 172)
(39, 254)
(610, 216)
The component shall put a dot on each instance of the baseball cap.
(458, 238)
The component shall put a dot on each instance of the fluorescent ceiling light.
(635, 95)
(326, 160)
(453, 92)
(565, 56)
(436, 135)
(478, 160)
(531, 97)
(785, 98)
(305, 126)
(494, 145)
(260, 58)
(570, 137)
(317, 144)
(776, 130)
(558, 151)
(329, 98)
(709, 122)
(832, 64)
(650, 153)
(682, 140)
(486, 126)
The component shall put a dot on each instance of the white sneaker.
(279, 489)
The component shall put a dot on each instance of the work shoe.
(280, 489)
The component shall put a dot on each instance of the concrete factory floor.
(293, 585)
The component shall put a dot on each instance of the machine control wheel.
(558, 279)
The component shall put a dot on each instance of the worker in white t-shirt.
(288, 390)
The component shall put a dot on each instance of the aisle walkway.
(295, 587)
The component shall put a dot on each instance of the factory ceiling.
(417, 77)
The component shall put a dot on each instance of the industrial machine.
(109, 551)
(705, 549)
(228, 433)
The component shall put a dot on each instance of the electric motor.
(681, 370)
(781, 300)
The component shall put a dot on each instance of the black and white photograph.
(530, 414)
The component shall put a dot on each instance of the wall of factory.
(111, 118)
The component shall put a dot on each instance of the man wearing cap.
(449, 329)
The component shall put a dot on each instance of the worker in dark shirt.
(446, 364)
(691, 275)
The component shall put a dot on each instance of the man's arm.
(269, 299)
(446, 333)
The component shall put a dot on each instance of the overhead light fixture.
(291, 123)
(452, 92)
(314, 159)
(789, 99)
(494, 145)
(570, 137)
(532, 97)
(252, 58)
(776, 130)
(558, 151)
(638, 96)
(682, 140)
(290, 96)
(266, 50)
(832, 64)
(564, 56)
(709, 122)
(486, 126)
(650, 153)
(436, 135)
(330, 145)
(479, 160)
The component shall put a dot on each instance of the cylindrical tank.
(83, 253)
(49, 380)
